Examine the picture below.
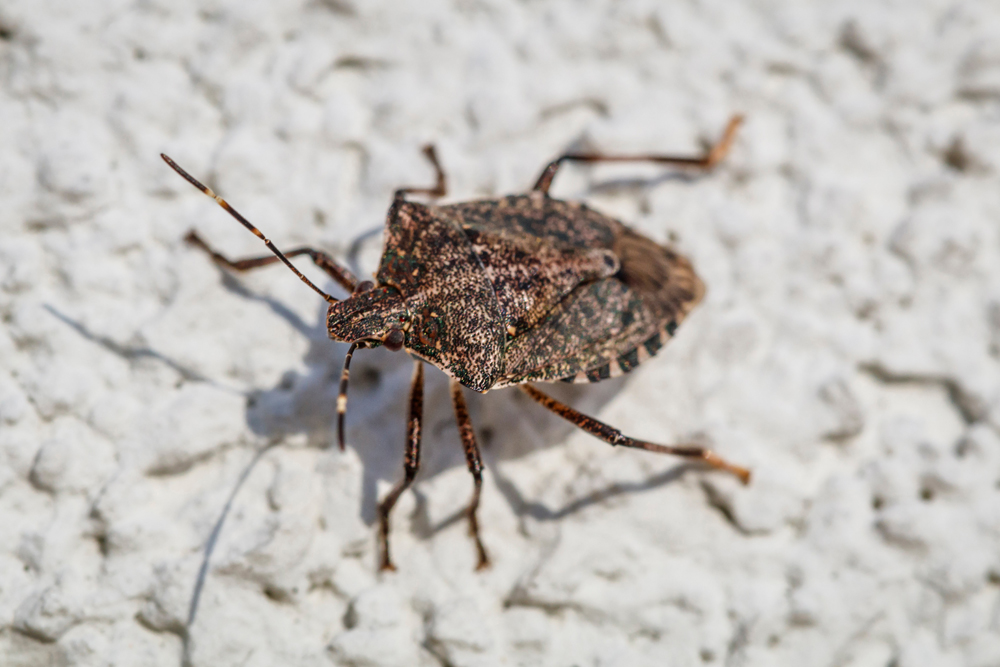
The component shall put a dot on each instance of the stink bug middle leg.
(475, 462)
(440, 188)
(507, 292)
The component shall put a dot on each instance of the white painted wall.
(847, 350)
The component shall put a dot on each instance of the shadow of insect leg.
(475, 463)
(411, 462)
(440, 188)
(341, 275)
(614, 436)
(711, 157)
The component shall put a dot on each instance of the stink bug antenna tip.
(246, 223)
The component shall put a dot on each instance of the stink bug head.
(454, 318)
(376, 315)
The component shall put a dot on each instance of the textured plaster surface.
(847, 350)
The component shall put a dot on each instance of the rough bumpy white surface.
(847, 350)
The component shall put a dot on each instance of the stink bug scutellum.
(504, 292)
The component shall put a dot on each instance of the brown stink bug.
(504, 292)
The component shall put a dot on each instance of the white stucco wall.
(847, 350)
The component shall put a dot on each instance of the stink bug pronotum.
(504, 292)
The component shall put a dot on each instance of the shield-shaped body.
(531, 288)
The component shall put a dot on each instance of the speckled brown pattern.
(454, 318)
(522, 288)
(598, 329)
(607, 328)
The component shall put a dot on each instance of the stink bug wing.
(535, 215)
(578, 334)
(606, 328)
(455, 322)
(532, 254)
(665, 280)
(530, 277)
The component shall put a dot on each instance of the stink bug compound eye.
(506, 292)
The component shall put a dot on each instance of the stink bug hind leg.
(615, 437)
(711, 157)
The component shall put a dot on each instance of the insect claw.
(720, 149)
(742, 473)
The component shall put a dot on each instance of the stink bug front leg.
(706, 161)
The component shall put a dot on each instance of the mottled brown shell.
(454, 316)
(530, 288)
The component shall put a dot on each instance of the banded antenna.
(246, 223)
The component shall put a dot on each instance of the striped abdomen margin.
(627, 361)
